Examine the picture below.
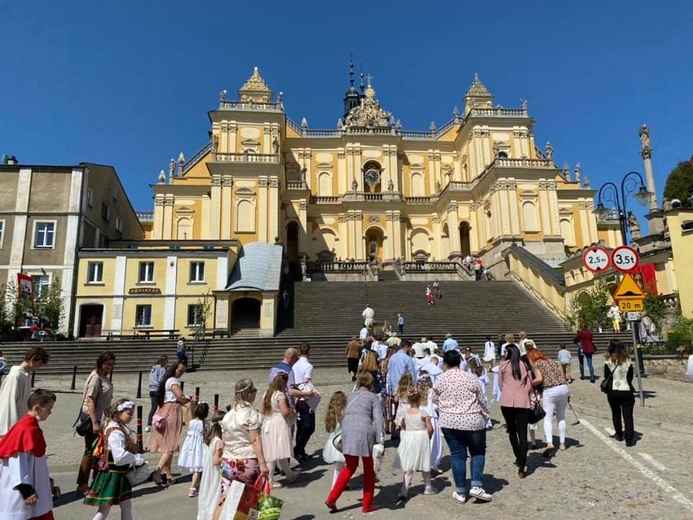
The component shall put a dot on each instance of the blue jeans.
(459, 441)
(588, 357)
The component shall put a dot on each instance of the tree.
(5, 313)
(589, 308)
(49, 304)
(205, 308)
(679, 183)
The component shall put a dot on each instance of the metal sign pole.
(633, 324)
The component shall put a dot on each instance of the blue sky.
(129, 83)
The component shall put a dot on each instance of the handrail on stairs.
(200, 339)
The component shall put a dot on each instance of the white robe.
(367, 315)
(437, 437)
(24, 468)
(14, 394)
(210, 483)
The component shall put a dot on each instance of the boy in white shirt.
(564, 359)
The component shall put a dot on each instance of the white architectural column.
(504, 227)
(361, 242)
(273, 210)
(233, 137)
(514, 210)
(263, 183)
(222, 272)
(168, 217)
(553, 211)
(303, 228)
(544, 208)
(216, 218)
(170, 292)
(226, 207)
(344, 182)
(206, 217)
(118, 294)
(437, 249)
(475, 231)
(453, 228)
(158, 229)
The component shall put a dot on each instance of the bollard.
(139, 386)
(216, 403)
(182, 386)
(139, 429)
(33, 379)
(197, 394)
(74, 378)
(110, 376)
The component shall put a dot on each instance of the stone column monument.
(655, 217)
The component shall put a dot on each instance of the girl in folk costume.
(427, 405)
(111, 486)
(276, 432)
(210, 483)
(414, 451)
(25, 487)
(333, 425)
(192, 453)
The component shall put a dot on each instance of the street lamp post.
(609, 192)
(632, 183)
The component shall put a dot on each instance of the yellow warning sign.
(631, 305)
(628, 289)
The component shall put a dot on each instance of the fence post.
(197, 395)
(33, 379)
(139, 386)
(74, 378)
(216, 403)
(139, 429)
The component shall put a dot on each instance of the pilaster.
(226, 207)
(168, 217)
(263, 183)
(216, 219)
(303, 228)
(273, 209)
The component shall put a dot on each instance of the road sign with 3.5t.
(596, 259)
(625, 258)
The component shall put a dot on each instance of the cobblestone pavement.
(595, 476)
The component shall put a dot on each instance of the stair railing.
(200, 341)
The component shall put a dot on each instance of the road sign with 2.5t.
(625, 258)
(596, 259)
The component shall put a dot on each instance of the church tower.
(352, 97)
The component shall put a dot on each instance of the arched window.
(529, 216)
(184, 229)
(245, 217)
(567, 232)
(325, 185)
(417, 185)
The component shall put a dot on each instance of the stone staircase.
(327, 314)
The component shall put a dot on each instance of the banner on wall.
(646, 278)
(25, 286)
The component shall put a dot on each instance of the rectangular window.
(41, 284)
(146, 272)
(90, 197)
(2, 232)
(194, 315)
(45, 234)
(95, 272)
(197, 272)
(105, 213)
(143, 316)
(114, 192)
(119, 224)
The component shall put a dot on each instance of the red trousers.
(352, 462)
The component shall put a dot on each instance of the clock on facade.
(372, 176)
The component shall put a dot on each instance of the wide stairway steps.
(327, 314)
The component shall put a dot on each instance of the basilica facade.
(370, 189)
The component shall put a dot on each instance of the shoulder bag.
(83, 425)
(607, 383)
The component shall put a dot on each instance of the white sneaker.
(148, 429)
(479, 493)
(459, 497)
(430, 490)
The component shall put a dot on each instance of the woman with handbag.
(111, 487)
(618, 379)
(515, 383)
(362, 428)
(168, 420)
(242, 459)
(554, 397)
(98, 396)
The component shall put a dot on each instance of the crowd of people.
(421, 394)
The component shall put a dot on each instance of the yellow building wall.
(682, 250)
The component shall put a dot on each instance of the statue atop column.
(645, 142)
(548, 151)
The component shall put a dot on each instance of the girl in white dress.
(406, 383)
(276, 432)
(414, 451)
(192, 454)
(425, 387)
(481, 374)
(333, 425)
(210, 483)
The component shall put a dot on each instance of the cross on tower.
(369, 78)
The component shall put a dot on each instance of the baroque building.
(371, 189)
